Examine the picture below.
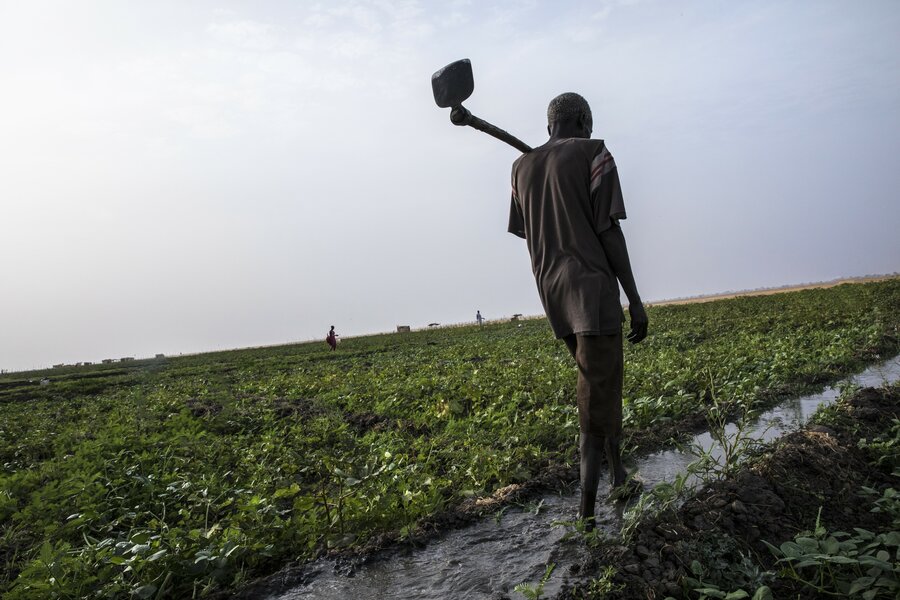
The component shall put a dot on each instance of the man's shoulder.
(573, 145)
(556, 150)
(589, 146)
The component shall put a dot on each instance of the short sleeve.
(607, 204)
(516, 220)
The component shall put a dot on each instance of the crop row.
(178, 479)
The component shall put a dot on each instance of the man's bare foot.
(589, 523)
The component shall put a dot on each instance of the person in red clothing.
(332, 339)
(567, 204)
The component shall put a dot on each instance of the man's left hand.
(638, 323)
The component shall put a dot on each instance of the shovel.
(451, 86)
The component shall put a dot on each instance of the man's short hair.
(568, 106)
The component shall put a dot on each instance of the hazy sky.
(183, 176)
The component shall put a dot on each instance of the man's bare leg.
(592, 449)
(617, 473)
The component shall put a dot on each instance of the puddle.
(488, 559)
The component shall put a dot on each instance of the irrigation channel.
(488, 559)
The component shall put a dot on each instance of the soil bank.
(774, 497)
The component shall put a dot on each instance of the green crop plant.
(843, 565)
(236, 463)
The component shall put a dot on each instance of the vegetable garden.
(190, 475)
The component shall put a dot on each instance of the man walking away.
(567, 204)
(479, 318)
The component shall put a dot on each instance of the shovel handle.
(461, 116)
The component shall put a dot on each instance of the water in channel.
(488, 559)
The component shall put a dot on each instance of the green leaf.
(138, 548)
(871, 561)
(831, 546)
(775, 551)
(696, 568)
(890, 584)
(140, 538)
(808, 544)
(288, 492)
(711, 592)
(737, 595)
(145, 591)
(157, 555)
(791, 550)
(809, 562)
(763, 593)
(860, 584)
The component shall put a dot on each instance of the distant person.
(479, 318)
(567, 204)
(332, 339)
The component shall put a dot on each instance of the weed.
(715, 574)
(842, 565)
(533, 592)
(592, 537)
(884, 450)
(732, 442)
(662, 497)
(599, 587)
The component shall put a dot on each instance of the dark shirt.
(564, 194)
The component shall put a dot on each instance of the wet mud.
(464, 552)
(774, 497)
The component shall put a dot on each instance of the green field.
(180, 477)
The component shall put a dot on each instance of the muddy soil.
(555, 476)
(777, 495)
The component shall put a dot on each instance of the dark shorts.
(600, 371)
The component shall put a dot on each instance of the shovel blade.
(453, 84)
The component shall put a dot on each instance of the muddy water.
(488, 559)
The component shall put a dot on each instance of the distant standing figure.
(332, 339)
(478, 317)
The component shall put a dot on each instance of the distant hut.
(402, 328)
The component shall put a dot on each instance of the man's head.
(569, 115)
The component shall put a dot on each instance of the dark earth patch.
(200, 407)
(363, 422)
(725, 519)
(778, 495)
(299, 408)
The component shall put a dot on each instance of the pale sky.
(187, 176)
